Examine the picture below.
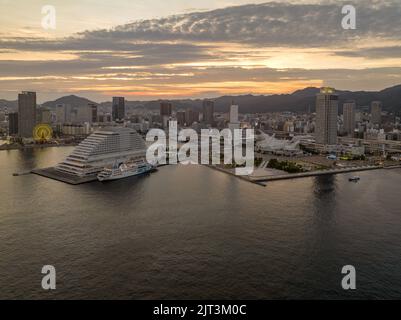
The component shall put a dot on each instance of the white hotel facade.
(103, 148)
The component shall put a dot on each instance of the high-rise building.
(93, 110)
(118, 108)
(195, 116)
(105, 117)
(234, 123)
(63, 113)
(208, 112)
(233, 113)
(191, 116)
(181, 118)
(81, 115)
(43, 115)
(166, 109)
(26, 114)
(376, 112)
(349, 117)
(326, 117)
(13, 124)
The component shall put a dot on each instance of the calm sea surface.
(190, 232)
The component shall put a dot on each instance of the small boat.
(125, 170)
(354, 179)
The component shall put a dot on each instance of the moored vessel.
(354, 179)
(124, 170)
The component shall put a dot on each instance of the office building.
(26, 114)
(191, 116)
(93, 110)
(349, 117)
(118, 108)
(326, 117)
(233, 113)
(81, 115)
(13, 124)
(166, 110)
(63, 113)
(181, 118)
(208, 112)
(44, 115)
(234, 123)
(376, 112)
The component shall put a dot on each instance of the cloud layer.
(266, 48)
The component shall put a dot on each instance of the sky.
(172, 49)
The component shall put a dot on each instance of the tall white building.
(349, 117)
(234, 123)
(101, 149)
(326, 117)
(233, 113)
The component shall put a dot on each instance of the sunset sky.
(154, 49)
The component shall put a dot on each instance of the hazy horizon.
(41, 101)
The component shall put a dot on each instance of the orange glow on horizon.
(193, 90)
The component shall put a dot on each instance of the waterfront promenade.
(258, 179)
(261, 179)
(313, 173)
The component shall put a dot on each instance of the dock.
(261, 180)
(396, 166)
(52, 173)
(314, 173)
(244, 178)
(17, 174)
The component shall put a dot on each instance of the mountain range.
(298, 101)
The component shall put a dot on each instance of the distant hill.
(71, 100)
(11, 105)
(298, 101)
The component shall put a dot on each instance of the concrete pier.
(260, 180)
(63, 177)
(314, 173)
(245, 178)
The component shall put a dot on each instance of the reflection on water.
(192, 232)
(324, 185)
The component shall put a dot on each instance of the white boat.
(124, 170)
(354, 179)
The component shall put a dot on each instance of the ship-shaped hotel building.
(102, 148)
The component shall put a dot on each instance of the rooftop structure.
(271, 144)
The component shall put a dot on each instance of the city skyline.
(182, 152)
(228, 48)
